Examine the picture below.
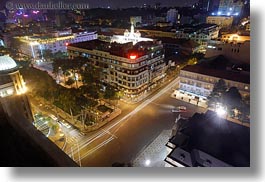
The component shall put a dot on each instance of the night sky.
(117, 3)
(131, 3)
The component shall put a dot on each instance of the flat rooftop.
(116, 49)
(212, 136)
(224, 74)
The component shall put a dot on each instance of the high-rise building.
(172, 15)
(230, 7)
(13, 88)
(204, 5)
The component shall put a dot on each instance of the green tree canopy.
(217, 94)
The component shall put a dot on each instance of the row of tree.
(231, 98)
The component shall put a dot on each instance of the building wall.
(222, 21)
(237, 52)
(13, 85)
(234, 38)
(172, 15)
(230, 7)
(202, 36)
(34, 48)
(133, 77)
(201, 85)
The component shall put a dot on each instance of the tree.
(233, 99)
(217, 94)
(110, 93)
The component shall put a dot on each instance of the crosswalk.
(74, 136)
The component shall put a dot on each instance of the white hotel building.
(56, 41)
(134, 69)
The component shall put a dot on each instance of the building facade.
(172, 16)
(238, 52)
(133, 69)
(235, 38)
(221, 21)
(197, 82)
(33, 46)
(13, 87)
(132, 36)
(201, 34)
(230, 7)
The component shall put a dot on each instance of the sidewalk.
(162, 83)
(156, 152)
(183, 97)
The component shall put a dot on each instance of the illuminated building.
(233, 46)
(235, 38)
(131, 36)
(133, 69)
(201, 33)
(222, 21)
(33, 46)
(197, 82)
(172, 15)
(12, 87)
(230, 7)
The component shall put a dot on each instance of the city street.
(122, 139)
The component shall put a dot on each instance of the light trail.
(125, 118)
(96, 148)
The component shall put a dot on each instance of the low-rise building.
(175, 46)
(221, 21)
(33, 46)
(201, 33)
(133, 69)
(207, 140)
(235, 38)
(197, 81)
(233, 49)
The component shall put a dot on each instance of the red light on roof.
(133, 56)
(66, 43)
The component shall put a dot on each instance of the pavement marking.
(108, 132)
(125, 118)
(96, 148)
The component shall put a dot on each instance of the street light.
(147, 162)
(220, 111)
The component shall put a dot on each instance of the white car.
(179, 109)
